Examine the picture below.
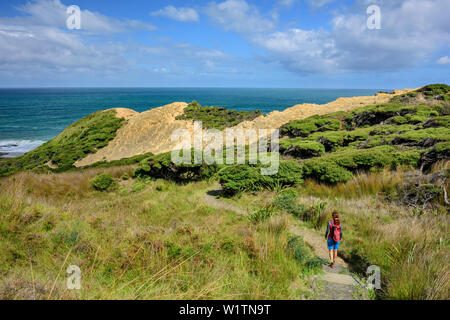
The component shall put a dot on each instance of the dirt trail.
(333, 284)
(337, 283)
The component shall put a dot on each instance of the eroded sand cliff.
(151, 131)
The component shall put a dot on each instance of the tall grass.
(411, 249)
(155, 242)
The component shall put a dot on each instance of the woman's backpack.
(335, 232)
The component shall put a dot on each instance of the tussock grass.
(160, 242)
(410, 247)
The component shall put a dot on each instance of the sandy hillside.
(151, 131)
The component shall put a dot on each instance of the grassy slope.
(159, 241)
(392, 136)
(160, 224)
(411, 247)
(75, 142)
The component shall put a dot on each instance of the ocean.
(30, 117)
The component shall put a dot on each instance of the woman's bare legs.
(334, 255)
(330, 253)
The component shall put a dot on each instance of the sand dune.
(151, 131)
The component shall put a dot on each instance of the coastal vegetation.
(140, 227)
(388, 222)
(142, 239)
(74, 143)
(216, 117)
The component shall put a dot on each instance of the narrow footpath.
(333, 284)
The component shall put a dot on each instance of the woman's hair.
(335, 216)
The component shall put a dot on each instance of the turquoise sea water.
(29, 117)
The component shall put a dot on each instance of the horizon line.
(224, 87)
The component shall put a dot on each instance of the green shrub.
(303, 128)
(437, 92)
(391, 113)
(236, 179)
(390, 129)
(303, 254)
(103, 182)
(439, 152)
(439, 134)
(262, 215)
(398, 120)
(139, 185)
(326, 171)
(286, 201)
(371, 142)
(377, 157)
(173, 251)
(333, 139)
(300, 148)
(216, 117)
(74, 143)
(161, 166)
(162, 188)
(442, 121)
(316, 214)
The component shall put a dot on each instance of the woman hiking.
(334, 237)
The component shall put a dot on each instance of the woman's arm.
(328, 231)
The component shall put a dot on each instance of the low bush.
(103, 182)
(390, 129)
(441, 121)
(393, 112)
(436, 92)
(286, 201)
(161, 166)
(326, 171)
(316, 214)
(374, 158)
(216, 117)
(440, 151)
(236, 179)
(331, 140)
(263, 214)
(439, 134)
(300, 148)
(303, 128)
(303, 255)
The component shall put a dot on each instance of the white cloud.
(444, 60)
(318, 3)
(300, 50)
(38, 44)
(411, 31)
(239, 16)
(179, 14)
(52, 13)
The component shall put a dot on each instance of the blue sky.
(224, 43)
